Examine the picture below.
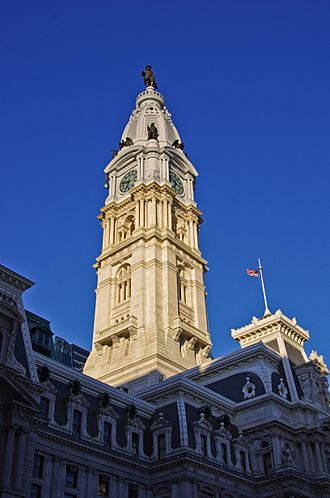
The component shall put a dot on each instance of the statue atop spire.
(149, 77)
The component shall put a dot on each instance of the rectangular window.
(38, 466)
(103, 485)
(243, 462)
(204, 445)
(107, 434)
(35, 491)
(133, 491)
(161, 446)
(76, 423)
(44, 406)
(267, 461)
(135, 444)
(224, 453)
(71, 476)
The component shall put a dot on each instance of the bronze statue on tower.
(149, 77)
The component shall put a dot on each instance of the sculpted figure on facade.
(152, 132)
(282, 390)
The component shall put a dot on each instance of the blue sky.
(248, 87)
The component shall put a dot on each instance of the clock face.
(176, 183)
(128, 181)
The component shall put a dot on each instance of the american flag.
(252, 273)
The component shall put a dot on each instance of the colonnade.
(149, 212)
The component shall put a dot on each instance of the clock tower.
(150, 313)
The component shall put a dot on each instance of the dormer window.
(161, 446)
(107, 434)
(135, 444)
(76, 423)
(224, 453)
(44, 406)
(204, 445)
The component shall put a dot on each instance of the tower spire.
(150, 314)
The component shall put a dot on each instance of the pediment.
(12, 393)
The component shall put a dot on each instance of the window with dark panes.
(44, 406)
(243, 462)
(161, 446)
(135, 444)
(133, 491)
(38, 466)
(71, 476)
(204, 445)
(103, 485)
(224, 453)
(107, 433)
(76, 423)
(267, 463)
(35, 491)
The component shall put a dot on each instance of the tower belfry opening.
(150, 314)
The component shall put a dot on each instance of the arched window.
(126, 229)
(266, 457)
(123, 283)
(183, 290)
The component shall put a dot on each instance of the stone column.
(122, 488)
(196, 234)
(114, 486)
(276, 450)
(137, 214)
(165, 213)
(304, 455)
(19, 464)
(169, 214)
(318, 457)
(142, 217)
(191, 234)
(91, 482)
(8, 460)
(287, 369)
(58, 477)
(153, 211)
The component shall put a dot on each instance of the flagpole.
(267, 312)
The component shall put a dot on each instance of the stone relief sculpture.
(152, 132)
(282, 390)
(249, 389)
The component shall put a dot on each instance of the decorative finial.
(149, 77)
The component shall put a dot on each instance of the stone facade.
(153, 415)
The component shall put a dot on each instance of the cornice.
(92, 386)
(14, 280)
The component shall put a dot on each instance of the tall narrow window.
(107, 434)
(103, 486)
(267, 463)
(38, 466)
(44, 406)
(35, 491)
(183, 292)
(71, 476)
(224, 453)
(204, 445)
(76, 423)
(161, 446)
(124, 283)
(243, 462)
(135, 444)
(133, 491)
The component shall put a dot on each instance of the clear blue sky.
(247, 83)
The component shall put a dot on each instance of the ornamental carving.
(249, 389)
